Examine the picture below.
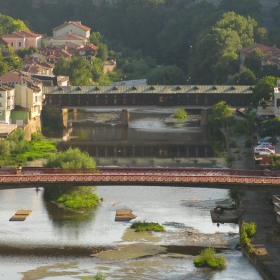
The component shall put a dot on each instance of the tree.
(26, 51)
(9, 25)
(245, 77)
(264, 89)
(166, 75)
(221, 113)
(78, 70)
(74, 197)
(253, 62)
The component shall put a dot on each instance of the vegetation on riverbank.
(16, 150)
(144, 226)
(76, 198)
(208, 258)
(247, 232)
(180, 114)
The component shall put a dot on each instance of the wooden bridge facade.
(149, 96)
(183, 177)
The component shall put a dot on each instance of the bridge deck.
(206, 178)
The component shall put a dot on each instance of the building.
(271, 54)
(71, 27)
(69, 37)
(7, 103)
(27, 97)
(23, 39)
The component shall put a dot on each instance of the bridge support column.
(204, 118)
(125, 117)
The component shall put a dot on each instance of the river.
(54, 243)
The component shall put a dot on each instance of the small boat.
(124, 215)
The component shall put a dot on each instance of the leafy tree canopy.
(264, 89)
(8, 25)
(166, 75)
(72, 158)
(220, 114)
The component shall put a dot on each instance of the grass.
(144, 226)
(208, 258)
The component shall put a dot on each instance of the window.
(278, 102)
(12, 44)
(19, 44)
(0, 113)
(0, 104)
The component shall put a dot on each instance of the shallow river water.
(53, 243)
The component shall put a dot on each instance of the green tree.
(26, 51)
(62, 67)
(245, 77)
(253, 62)
(264, 89)
(80, 73)
(270, 70)
(102, 52)
(220, 115)
(9, 25)
(166, 75)
(74, 197)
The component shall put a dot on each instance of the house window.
(278, 103)
(19, 44)
(12, 44)
(0, 113)
(0, 104)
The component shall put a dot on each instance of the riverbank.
(257, 207)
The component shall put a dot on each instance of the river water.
(54, 243)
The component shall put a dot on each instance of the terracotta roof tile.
(28, 33)
(76, 23)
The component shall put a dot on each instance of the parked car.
(270, 139)
(257, 151)
(261, 141)
(266, 144)
(270, 147)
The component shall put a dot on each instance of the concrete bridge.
(181, 177)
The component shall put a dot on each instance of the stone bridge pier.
(125, 117)
(204, 117)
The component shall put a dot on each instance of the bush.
(248, 143)
(208, 258)
(180, 114)
(143, 226)
(250, 229)
(240, 127)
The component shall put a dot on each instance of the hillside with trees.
(198, 43)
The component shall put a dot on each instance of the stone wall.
(34, 125)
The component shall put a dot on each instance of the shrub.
(240, 127)
(248, 143)
(208, 258)
(250, 229)
(180, 114)
(143, 226)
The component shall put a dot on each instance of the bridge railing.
(120, 170)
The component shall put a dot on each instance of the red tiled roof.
(89, 48)
(28, 33)
(70, 36)
(76, 23)
(11, 36)
(261, 47)
(3, 41)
